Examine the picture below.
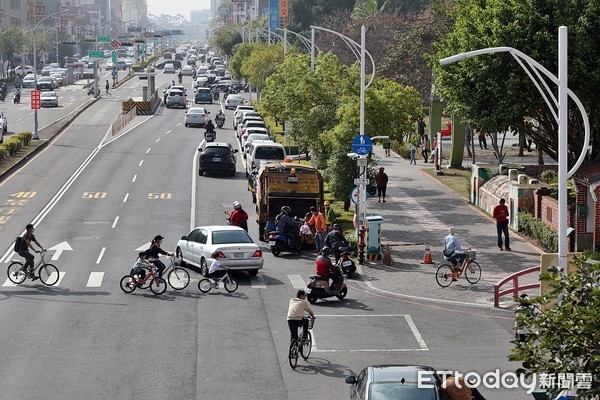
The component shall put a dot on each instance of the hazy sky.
(174, 7)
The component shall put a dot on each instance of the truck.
(281, 184)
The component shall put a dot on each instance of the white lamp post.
(559, 107)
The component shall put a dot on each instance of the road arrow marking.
(59, 248)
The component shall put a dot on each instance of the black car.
(217, 157)
(45, 83)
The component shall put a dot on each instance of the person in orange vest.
(318, 220)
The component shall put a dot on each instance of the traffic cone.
(427, 256)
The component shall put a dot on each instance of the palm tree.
(365, 9)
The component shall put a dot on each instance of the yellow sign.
(283, 13)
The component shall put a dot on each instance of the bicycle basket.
(471, 254)
(311, 323)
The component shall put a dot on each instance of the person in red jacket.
(238, 216)
(501, 217)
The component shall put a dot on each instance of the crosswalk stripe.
(95, 279)
(297, 281)
(8, 283)
(259, 282)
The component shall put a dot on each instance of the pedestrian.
(501, 216)
(329, 215)
(386, 147)
(382, 180)
(413, 151)
(529, 142)
(425, 147)
(482, 141)
(468, 136)
(421, 126)
(318, 220)
(107, 86)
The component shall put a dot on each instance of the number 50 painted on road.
(161, 196)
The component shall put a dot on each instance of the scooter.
(220, 122)
(91, 91)
(346, 264)
(280, 243)
(318, 288)
(17, 99)
(210, 136)
(2, 96)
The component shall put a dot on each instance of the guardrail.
(123, 120)
(514, 279)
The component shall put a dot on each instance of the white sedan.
(231, 245)
(187, 70)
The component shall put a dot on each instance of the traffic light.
(90, 40)
(139, 41)
(125, 44)
(68, 43)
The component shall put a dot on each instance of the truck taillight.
(257, 253)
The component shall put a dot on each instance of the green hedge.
(538, 230)
(25, 137)
(13, 144)
(3, 151)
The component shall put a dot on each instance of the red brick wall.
(596, 219)
(535, 169)
(546, 209)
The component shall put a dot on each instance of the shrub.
(3, 152)
(25, 137)
(549, 176)
(538, 230)
(13, 145)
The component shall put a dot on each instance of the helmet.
(326, 251)
(327, 203)
(336, 226)
(285, 209)
(237, 205)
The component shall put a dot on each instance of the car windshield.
(230, 237)
(48, 94)
(269, 153)
(397, 390)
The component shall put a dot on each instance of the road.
(106, 197)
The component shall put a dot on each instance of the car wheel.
(204, 267)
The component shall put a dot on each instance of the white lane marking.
(126, 197)
(115, 222)
(95, 279)
(179, 124)
(194, 180)
(169, 131)
(140, 164)
(148, 151)
(134, 178)
(157, 140)
(259, 282)
(8, 283)
(100, 255)
(297, 281)
(20, 119)
(415, 332)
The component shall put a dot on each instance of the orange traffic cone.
(427, 256)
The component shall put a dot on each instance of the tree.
(492, 92)
(565, 336)
(11, 42)
(225, 38)
(261, 63)
(304, 13)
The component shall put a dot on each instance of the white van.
(263, 151)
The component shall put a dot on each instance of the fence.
(514, 279)
(123, 120)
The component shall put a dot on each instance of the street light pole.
(559, 107)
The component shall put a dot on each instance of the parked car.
(231, 244)
(196, 116)
(232, 101)
(45, 83)
(203, 95)
(20, 70)
(262, 132)
(261, 152)
(243, 111)
(395, 382)
(3, 124)
(252, 137)
(217, 157)
(176, 98)
(49, 99)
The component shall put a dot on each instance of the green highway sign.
(114, 57)
(104, 39)
(96, 54)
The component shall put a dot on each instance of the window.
(269, 153)
(193, 236)
(14, 21)
(228, 237)
(203, 236)
(15, 4)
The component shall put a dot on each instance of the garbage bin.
(374, 223)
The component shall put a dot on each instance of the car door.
(203, 247)
(360, 387)
(188, 248)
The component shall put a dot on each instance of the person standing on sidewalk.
(413, 151)
(421, 126)
(425, 147)
(501, 217)
(329, 215)
(386, 147)
(382, 180)
(482, 141)
(107, 86)
(318, 220)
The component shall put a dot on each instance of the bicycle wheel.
(443, 275)
(178, 278)
(158, 286)
(473, 272)
(293, 354)
(15, 272)
(306, 347)
(146, 283)
(48, 274)
(205, 285)
(230, 284)
(127, 284)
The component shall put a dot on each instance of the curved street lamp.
(305, 41)
(559, 108)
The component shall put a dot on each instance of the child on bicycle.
(137, 267)
(216, 271)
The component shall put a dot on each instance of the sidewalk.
(420, 209)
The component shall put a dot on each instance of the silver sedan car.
(231, 245)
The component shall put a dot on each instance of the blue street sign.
(362, 145)
(274, 14)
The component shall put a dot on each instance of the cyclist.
(295, 316)
(153, 253)
(26, 244)
(454, 252)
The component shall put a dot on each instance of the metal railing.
(123, 120)
(515, 289)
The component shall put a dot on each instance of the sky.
(174, 7)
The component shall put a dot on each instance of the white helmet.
(237, 205)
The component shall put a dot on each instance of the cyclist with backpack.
(26, 242)
(154, 251)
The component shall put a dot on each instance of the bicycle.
(471, 269)
(178, 278)
(229, 282)
(301, 347)
(157, 285)
(47, 273)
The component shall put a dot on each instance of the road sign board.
(103, 39)
(114, 57)
(361, 181)
(148, 34)
(96, 54)
(362, 145)
(114, 44)
(35, 100)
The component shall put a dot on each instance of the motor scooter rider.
(326, 269)
(285, 225)
(17, 99)
(180, 77)
(336, 240)
(3, 89)
(220, 116)
(210, 127)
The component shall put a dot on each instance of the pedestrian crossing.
(98, 279)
